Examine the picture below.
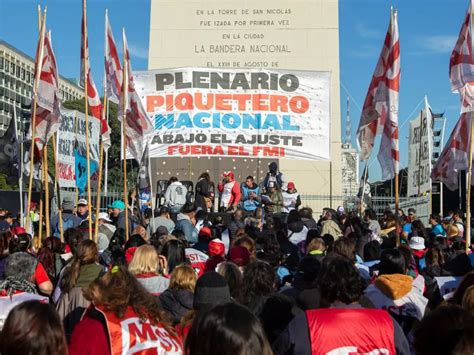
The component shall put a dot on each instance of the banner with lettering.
(419, 154)
(237, 113)
(73, 124)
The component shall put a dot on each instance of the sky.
(428, 31)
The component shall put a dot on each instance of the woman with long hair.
(123, 318)
(150, 269)
(33, 327)
(238, 332)
(50, 256)
(174, 252)
(83, 269)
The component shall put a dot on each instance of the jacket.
(176, 303)
(202, 191)
(175, 194)
(161, 221)
(185, 225)
(69, 221)
(291, 201)
(155, 284)
(296, 338)
(230, 194)
(297, 232)
(332, 228)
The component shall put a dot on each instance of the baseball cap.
(82, 202)
(291, 185)
(117, 204)
(216, 247)
(417, 243)
(104, 216)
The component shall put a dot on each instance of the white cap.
(82, 202)
(104, 216)
(417, 243)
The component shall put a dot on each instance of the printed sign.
(237, 113)
(73, 124)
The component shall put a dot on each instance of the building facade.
(270, 34)
(16, 83)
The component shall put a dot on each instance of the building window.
(12, 68)
(22, 74)
(1, 63)
(27, 76)
(18, 71)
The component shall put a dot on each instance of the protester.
(33, 327)
(436, 226)
(69, 219)
(150, 269)
(329, 225)
(118, 298)
(230, 192)
(186, 221)
(105, 226)
(175, 195)
(236, 223)
(297, 231)
(163, 220)
(322, 331)
(82, 209)
(274, 178)
(177, 299)
(233, 277)
(224, 323)
(118, 212)
(204, 196)
(274, 201)
(291, 198)
(250, 195)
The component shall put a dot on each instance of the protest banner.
(65, 148)
(419, 154)
(237, 113)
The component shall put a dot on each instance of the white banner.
(237, 113)
(66, 138)
(419, 154)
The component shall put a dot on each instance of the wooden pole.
(396, 192)
(58, 188)
(40, 223)
(469, 181)
(101, 150)
(33, 118)
(46, 189)
(124, 132)
(86, 104)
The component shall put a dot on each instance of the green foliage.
(4, 185)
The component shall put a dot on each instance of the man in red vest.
(344, 327)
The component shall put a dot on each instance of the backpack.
(69, 223)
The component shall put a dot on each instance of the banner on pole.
(66, 139)
(419, 154)
(237, 113)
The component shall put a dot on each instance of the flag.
(93, 99)
(137, 123)
(380, 110)
(113, 68)
(455, 155)
(461, 64)
(144, 182)
(48, 115)
(365, 195)
(80, 162)
(8, 149)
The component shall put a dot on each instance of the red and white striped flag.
(380, 111)
(461, 64)
(137, 122)
(93, 99)
(455, 155)
(113, 68)
(48, 115)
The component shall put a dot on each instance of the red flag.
(48, 116)
(455, 155)
(113, 68)
(137, 122)
(93, 99)
(380, 111)
(461, 64)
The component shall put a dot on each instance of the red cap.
(206, 232)
(239, 255)
(216, 247)
(18, 230)
(229, 174)
(291, 185)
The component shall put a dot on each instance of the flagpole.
(106, 162)
(20, 164)
(76, 198)
(101, 158)
(58, 189)
(469, 181)
(46, 188)
(41, 20)
(151, 191)
(86, 74)
(124, 137)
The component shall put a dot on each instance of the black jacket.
(176, 303)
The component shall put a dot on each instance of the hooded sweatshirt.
(297, 232)
(175, 195)
(396, 293)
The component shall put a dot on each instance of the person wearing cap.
(106, 231)
(163, 220)
(291, 198)
(82, 209)
(417, 245)
(175, 195)
(230, 192)
(118, 213)
(70, 220)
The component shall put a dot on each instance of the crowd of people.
(267, 280)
